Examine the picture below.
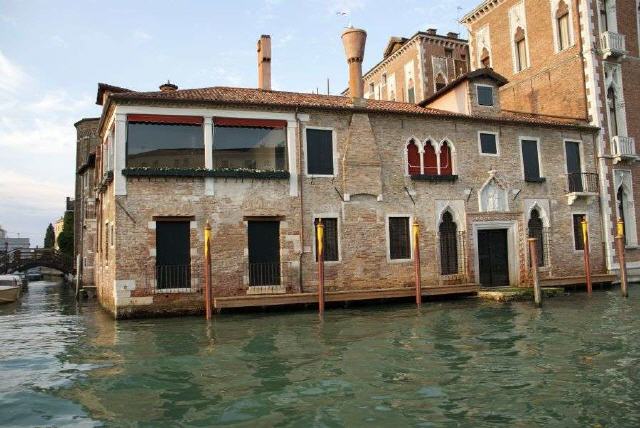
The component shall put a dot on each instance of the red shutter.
(446, 165)
(430, 160)
(413, 157)
(157, 118)
(250, 123)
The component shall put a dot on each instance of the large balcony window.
(249, 144)
(165, 142)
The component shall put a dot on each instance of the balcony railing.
(623, 148)
(582, 182)
(612, 44)
(173, 279)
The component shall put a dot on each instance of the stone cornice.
(480, 10)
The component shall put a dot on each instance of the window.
(562, 22)
(521, 50)
(106, 241)
(411, 94)
(613, 112)
(430, 159)
(530, 160)
(413, 158)
(485, 58)
(574, 166)
(604, 19)
(578, 241)
(319, 152)
(173, 254)
(488, 143)
(448, 232)
(372, 90)
(264, 252)
(330, 239)
(250, 144)
(440, 82)
(485, 95)
(446, 159)
(112, 236)
(399, 238)
(536, 230)
(621, 197)
(163, 142)
(448, 53)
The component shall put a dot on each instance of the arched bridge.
(23, 259)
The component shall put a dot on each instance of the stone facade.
(429, 59)
(85, 211)
(595, 77)
(369, 184)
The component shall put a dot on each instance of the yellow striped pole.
(416, 261)
(587, 259)
(320, 240)
(207, 271)
(621, 258)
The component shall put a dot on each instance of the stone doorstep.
(516, 294)
(266, 289)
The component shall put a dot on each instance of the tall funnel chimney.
(354, 40)
(264, 62)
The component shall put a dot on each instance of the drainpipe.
(301, 193)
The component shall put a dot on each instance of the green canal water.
(575, 363)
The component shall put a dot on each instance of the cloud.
(58, 41)
(36, 136)
(348, 6)
(141, 36)
(11, 75)
(23, 193)
(59, 101)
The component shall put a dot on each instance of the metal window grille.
(330, 239)
(399, 244)
(452, 254)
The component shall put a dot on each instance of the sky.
(54, 53)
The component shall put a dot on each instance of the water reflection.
(461, 363)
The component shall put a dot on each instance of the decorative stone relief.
(483, 43)
(456, 208)
(493, 195)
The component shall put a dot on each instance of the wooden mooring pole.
(320, 239)
(621, 258)
(416, 261)
(533, 255)
(587, 258)
(207, 271)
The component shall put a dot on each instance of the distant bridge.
(26, 258)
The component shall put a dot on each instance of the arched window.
(521, 49)
(446, 160)
(604, 19)
(448, 232)
(620, 195)
(613, 112)
(485, 58)
(536, 230)
(413, 158)
(430, 159)
(562, 21)
(441, 82)
(411, 92)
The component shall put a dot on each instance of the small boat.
(34, 275)
(23, 279)
(10, 287)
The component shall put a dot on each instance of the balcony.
(623, 148)
(612, 45)
(581, 185)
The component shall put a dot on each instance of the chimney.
(432, 31)
(264, 62)
(452, 35)
(354, 40)
(168, 87)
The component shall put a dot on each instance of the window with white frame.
(530, 160)
(399, 238)
(563, 26)
(319, 151)
(429, 158)
(488, 143)
(484, 94)
(409, 83)
(521, 56)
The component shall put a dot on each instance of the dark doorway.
(574, 166)
(493, 257)
(173, 260)
(264, 252)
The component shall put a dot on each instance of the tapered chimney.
(354, 40)
(264, 62)
(168, 87)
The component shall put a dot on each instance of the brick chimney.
(432, 31)
(452, 35)
(168, 87)
(264, 62)
(354, 40)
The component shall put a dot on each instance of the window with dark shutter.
(399, 239)
(577, 232)
(319, 152)
(330, 239)
(530, 160)
(448, 234)
(485, 95)
(488, 144)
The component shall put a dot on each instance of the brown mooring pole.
(587, 259)
(320, 240)
(533, 254)
(416, 261)
(207, 271)
(621, 258)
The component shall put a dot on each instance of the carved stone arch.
(454, 214)
(413, 161)
(457, 210)
(544, 216)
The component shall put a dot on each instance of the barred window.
(331, 253)
(399, 239)
(577, 232)
(536, 231)
(448, 231)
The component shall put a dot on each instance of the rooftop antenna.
(459, 9)
(346, 13)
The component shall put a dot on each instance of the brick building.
(576, 60)
(412, 69)
(84, 233)
(263, 167)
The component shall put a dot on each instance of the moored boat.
(10, 287)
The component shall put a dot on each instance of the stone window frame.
(323, 215)
(623, 177)
(437, 147)
(573, 234)
(543, 211)
(520, 36)
(388, 240)
(497, 135)
(334, 141)
(493, 95)
(555, 4)
(538, 141)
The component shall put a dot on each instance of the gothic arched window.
(521, 49)
(562, 21)
(413, 158)
(446, 160)
(613, 112)
(621, 197)
(441, 82)
(536, 230)
(430, 159)
(448, 232)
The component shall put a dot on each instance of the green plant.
(65, 239)
(49, 237)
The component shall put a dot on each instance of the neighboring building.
(85, 212)
(412, 69)
(8, 244)
(57, 230)
(577, 60)
(263, 167)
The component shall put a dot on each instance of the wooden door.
(173, 258)
(264, 252)
(493, 257)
